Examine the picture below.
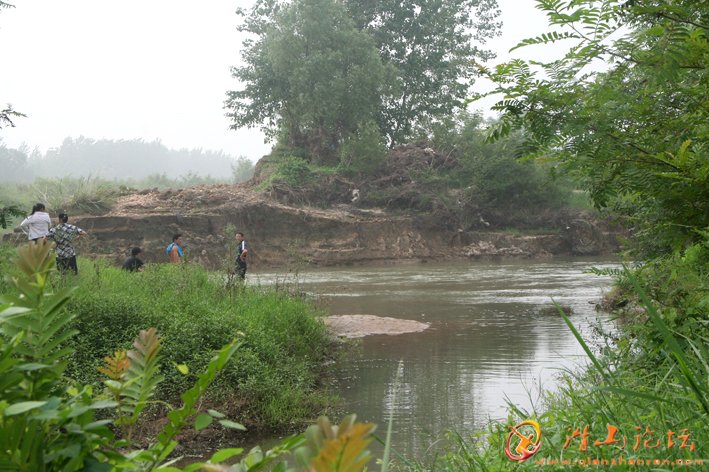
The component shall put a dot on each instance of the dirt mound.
(398, 185)
(393, 214)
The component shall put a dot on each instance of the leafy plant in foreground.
(48, 424)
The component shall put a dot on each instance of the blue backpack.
(170, 246)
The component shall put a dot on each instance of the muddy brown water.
(487, 343)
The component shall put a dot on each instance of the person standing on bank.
(37, 224)
(241, 253)
(63, 235)
(133, 264)
(174, 249)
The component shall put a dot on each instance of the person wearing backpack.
(174, 249)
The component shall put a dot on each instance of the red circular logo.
(524, 441)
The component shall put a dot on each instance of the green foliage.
(308, 73)
(344, 446)
(292, 170)
(636, 136)
(275, 383)
(46, 426)
(364, 151)
(82, 194)
(43, 425)
(636, 133)
(433, 48)
(8, 213)
(319, 71)
(242, 170)
(495, 182)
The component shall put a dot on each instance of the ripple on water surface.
(487, 343)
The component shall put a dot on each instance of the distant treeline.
(119, 160)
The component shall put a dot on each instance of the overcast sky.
(149, 69)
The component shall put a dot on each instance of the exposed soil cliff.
(333, 221)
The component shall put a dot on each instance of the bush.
(47, 424)
(286, 343)
(292, 170)
(363, 152)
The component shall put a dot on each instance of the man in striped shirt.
(63, 235)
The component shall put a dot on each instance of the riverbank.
(335, 233)
(275, 381)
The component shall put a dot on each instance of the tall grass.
(275, 382)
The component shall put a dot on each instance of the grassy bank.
(274, 382)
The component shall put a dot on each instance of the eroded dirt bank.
(281, 235)
(391, 215)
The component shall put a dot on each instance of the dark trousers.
(241, 268)
(65, 264)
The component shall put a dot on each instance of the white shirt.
(36, 225)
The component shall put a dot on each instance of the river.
(487, 343)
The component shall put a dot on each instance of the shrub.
(45, 425)
(292, 170)
(196, 314)
(364, 151)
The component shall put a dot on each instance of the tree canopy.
(309, 75)
(433, 45)
(635, 133)
(318, 72)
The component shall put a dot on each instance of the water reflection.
(487, 343)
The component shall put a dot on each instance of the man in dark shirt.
(241, 252)
(133, 264)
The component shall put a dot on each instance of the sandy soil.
(357, 326)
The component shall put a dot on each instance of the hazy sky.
(150, 69)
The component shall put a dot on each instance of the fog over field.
(155, 72)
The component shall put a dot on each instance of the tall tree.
(637, 132)
(434, 46)
(308, 74)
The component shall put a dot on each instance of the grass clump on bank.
(274, 381)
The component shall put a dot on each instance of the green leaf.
(184, 370)
(216, 414)
(232, 425)
(22, 407)
(31, 367)
(202, 421)
(224, 454)
(98, 404)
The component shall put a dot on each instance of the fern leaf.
(142, 374)
(115, 366)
